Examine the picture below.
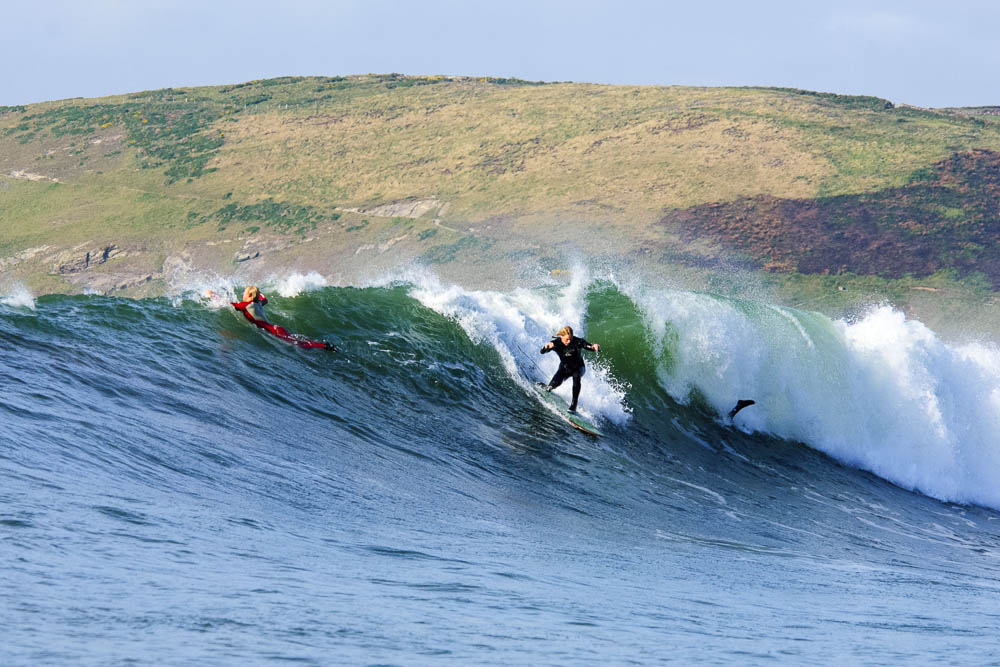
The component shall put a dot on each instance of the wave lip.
(297, 283)
(215, 291)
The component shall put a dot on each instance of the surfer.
(252, 307)
(568, 347)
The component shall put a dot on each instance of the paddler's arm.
(548, 346)
(591, 346)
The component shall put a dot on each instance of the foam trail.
(517, 325)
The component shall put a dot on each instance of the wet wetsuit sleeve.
(547, 349)
(585, 345)
(242, 307)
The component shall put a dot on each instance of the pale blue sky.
(926, 53)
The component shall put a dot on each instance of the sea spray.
(882, 393)
(931, 407)
(216, 291)
(517, 324)
(210, 289)
(18, 297)
(294, 284)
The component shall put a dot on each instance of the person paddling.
(568, 347)
(252, 307)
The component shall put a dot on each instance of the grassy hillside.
(356, 171)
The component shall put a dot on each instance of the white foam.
(19, 297)
(517, 324)
(297, 283)
(210, 289)
(883, 393)
(215, 291)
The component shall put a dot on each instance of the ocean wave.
(881, 392)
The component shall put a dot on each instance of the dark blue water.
(178, 488)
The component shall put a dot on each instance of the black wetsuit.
(570, 364)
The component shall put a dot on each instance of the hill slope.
(359, 172)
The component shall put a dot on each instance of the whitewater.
(181, 488)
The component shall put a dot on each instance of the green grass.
(856, 102)
(281, 216)
(358, 227)
(443, 254)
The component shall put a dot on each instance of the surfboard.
(575, 419)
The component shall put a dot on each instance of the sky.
(917, 52)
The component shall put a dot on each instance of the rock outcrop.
(78, 259)
(410, 208)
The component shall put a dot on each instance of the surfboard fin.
(740, 404)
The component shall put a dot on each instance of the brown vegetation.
(948, 217)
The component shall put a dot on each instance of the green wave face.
(878, 393)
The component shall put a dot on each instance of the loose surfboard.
(575, 420)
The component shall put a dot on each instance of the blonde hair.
(565, 331)
(250, 293)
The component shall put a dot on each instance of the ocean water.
(179, 488)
